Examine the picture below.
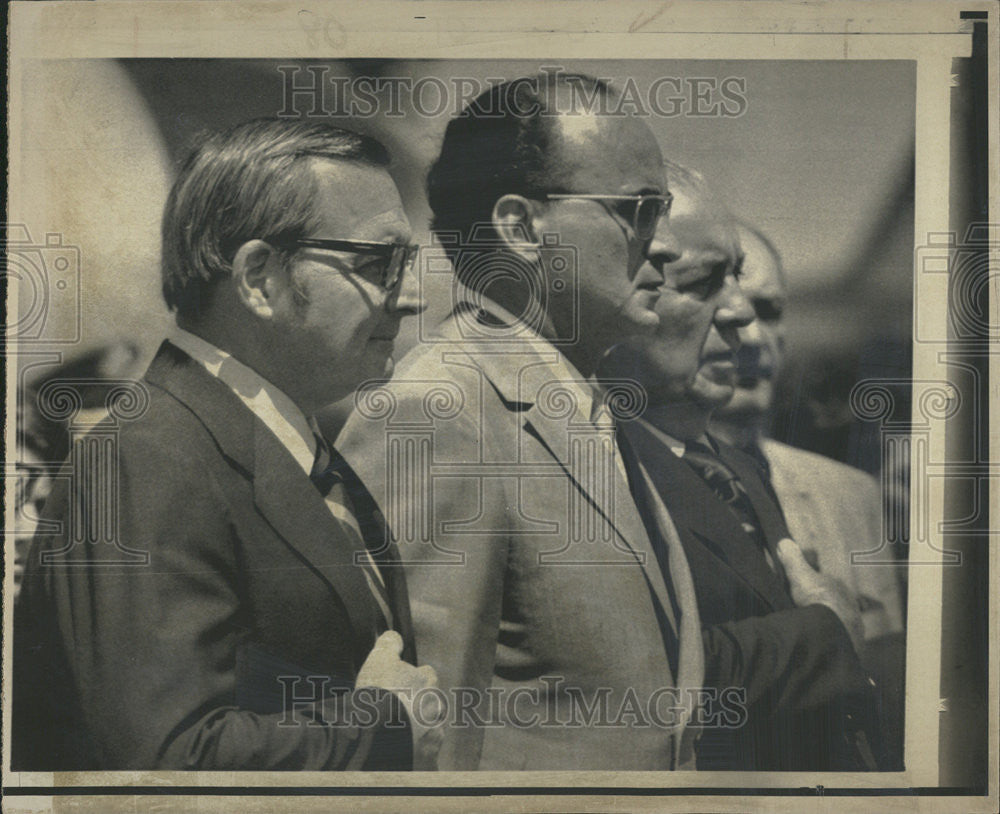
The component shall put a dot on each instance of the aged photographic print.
(476, 406)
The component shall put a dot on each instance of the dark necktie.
(755, 452)
(728, 487)
(336, 482)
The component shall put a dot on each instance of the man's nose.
(735, 310)
(751, 335)
(407, 299)
(664, 248)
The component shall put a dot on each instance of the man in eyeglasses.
(777, 632)
(252, 629)
(560, 640)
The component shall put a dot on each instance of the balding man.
(561, 638)
(774, 629)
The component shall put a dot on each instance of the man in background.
(773, 627)
(833, 510)
(562, 640)
(43, 440)
(236, 619)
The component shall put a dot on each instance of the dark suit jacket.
(806, 693)
(249, 600)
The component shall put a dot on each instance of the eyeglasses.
(644, 217)
(398, 257)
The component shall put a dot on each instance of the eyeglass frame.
(665, 198)
(405, 252)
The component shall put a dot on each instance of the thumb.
(389, 642)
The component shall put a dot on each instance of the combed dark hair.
(503, 142)
(252, 181)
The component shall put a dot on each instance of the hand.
(386, 670)
(810, 587)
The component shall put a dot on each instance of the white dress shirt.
(275, 410)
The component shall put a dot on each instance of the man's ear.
(256, 269)
(514, 223)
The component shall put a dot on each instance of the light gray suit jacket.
(834, 511)
(535, 591)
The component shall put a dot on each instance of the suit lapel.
(524, 373)
(281, 490)
(523, 376)
(690, 668)
(297, 511)
(553, 414)
(392, 569)
(701, 519)
(599, 484)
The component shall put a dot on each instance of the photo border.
(931, 34)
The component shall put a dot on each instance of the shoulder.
(448, 360)
(166, 462)
(168, 432)
(433, 385)
(439, 397)
(810, 466)
(167, 486)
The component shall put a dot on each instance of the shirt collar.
(273, 407)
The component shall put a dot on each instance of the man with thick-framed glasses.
(262, 624)
(560, 639)
(384, 264)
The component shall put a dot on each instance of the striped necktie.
(726, 484)
(337, 483)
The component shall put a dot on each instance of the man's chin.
(379, 369)
(378, 363)
(749, 402)
(388, 367)
(711, 395)
(637, 319)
